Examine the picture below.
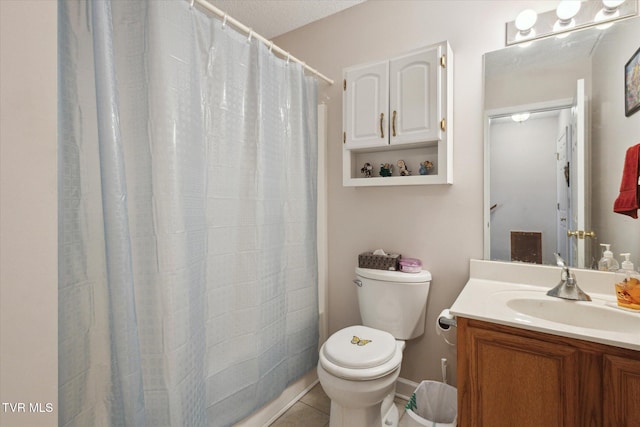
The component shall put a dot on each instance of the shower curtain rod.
(227, 19)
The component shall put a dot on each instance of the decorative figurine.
(403, 168)
(425, 167)
(366, 170)
(386, 169)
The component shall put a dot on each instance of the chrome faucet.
(568, 287)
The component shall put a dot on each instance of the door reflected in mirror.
(555, 139)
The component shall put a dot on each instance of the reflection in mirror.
(551, 178)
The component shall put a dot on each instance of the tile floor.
(312, 410)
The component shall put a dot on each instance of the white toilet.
(359, 365)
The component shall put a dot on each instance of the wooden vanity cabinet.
(513, 377)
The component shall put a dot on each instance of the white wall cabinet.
(399, 109)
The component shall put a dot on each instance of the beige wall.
(28, 220)
(442, 225)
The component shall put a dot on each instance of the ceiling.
(271, 18)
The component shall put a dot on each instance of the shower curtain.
(187, 206)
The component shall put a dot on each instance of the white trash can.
(433, 404)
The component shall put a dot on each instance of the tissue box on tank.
(379, 262)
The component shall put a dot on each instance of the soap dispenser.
(607, 262)
(628, 285)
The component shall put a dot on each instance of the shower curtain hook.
(270, 46)
(250, 35)
(288, 57)
(192, 2)
(224, 21)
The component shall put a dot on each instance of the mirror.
(551, 180)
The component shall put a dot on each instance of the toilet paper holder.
(447, 322)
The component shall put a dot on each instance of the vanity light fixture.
(570, 15)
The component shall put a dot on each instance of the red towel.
(629, 198)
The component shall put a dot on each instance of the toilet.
(359, 365)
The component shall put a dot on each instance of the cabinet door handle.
(393, 122)
(381, 128)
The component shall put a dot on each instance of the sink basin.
(574, 313)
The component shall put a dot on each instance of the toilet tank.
(393, 301)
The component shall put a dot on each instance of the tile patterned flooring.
(312, 410)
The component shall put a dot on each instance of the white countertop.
(497, 291)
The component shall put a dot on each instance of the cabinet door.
(366, 105)
(508, 380)
(621, 381)
(415, 96)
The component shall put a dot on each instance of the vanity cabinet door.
(366, 106)
(511, 380)
(414, 100)
(621, 381)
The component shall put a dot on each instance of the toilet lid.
(360, 347)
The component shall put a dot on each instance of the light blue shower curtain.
(187, 206)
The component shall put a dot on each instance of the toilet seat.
(361, 353)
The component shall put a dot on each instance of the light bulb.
(608, 12)
(520, 117)
(567, 9)
(526, 20)
(612, 4)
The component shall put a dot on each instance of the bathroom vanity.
(510, 376)
(527, 359)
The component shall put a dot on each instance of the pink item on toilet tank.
(410, 265)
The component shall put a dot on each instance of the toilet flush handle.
(358, 282)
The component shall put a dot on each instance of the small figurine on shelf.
(425, 167)
(366, 170)
(386, 169)
(403, 168)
